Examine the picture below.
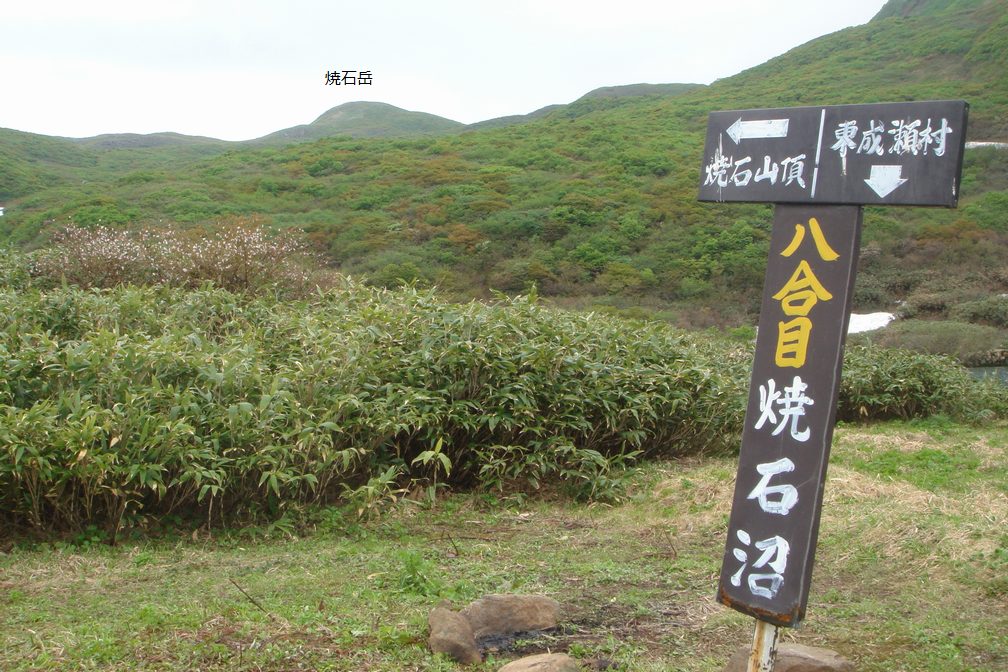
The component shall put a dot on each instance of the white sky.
(241, 69)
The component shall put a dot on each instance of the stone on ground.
(544, 662)
(451, 634)
(503, 614)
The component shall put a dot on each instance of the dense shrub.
(992, 311)
(881, 383)
(138, 401)
(932, 305)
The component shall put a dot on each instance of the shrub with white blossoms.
(240, 255)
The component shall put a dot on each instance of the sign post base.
(764, 647)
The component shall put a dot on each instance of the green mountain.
(364, 120)
(905, 8)
(594, 201)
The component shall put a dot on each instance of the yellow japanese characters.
(798, 296)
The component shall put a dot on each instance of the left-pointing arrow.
(885, 179)
(760, 128)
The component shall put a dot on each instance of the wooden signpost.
(819, 165)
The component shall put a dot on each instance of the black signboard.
(880, 154)
(792, 407)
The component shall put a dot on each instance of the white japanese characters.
(764, 491)
(723, 170)
(790, 406)
(767, 159)
(775, 547)
(905, 136)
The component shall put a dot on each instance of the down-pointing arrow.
(885, 179)
(760, 128)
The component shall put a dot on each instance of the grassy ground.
(912, 574)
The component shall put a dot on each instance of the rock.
(796, 658)
(503, 614)
(451, 634)
(544, 662)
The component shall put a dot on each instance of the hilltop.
(363, 120)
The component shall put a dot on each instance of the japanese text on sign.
(784, 409)
(724, 169)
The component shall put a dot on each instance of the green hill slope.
(640, 90)
(595, 201)
(30, 163)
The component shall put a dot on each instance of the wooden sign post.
(819, 165)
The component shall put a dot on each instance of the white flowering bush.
(240, 255)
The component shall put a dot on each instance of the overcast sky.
(239, 70)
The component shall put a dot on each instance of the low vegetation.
(297, 466)
(122, 406)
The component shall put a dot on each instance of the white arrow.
(885, 179)
(762, 128)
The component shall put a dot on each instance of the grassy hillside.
(594, 202)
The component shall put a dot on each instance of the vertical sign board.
(791, 411)
(819, 165)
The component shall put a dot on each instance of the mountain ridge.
(362, 119)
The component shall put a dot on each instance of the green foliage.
(13, 270)
(417, 575)
(122, 405)
(119, 405)
(992, 311)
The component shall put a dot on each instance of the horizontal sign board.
(879, 154)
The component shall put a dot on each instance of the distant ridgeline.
(592, 202)
(904, 8)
